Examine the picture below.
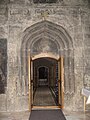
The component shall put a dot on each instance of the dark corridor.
(45, 82)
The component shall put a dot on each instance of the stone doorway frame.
(60, 77)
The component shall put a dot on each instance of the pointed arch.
(47, 37)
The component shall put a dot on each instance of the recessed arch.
(45, 26)
(50, 32)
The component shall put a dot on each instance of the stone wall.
(15, 17)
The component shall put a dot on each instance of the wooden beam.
(84, 103)
(62, 81)
(29, 71)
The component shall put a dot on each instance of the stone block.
(86, 60)
(3, 102)
(87, 41)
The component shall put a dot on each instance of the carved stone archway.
(48, 38)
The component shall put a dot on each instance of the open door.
(30, 78)
(60, 83)
(31, 83)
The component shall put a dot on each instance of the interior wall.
(60, 40)
(17, 20)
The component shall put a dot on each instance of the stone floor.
(77, 115)
(14, 115)
(43, 97)
(25, 115)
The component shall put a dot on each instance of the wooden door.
(30, 78)
(60, 82)
(31, 83)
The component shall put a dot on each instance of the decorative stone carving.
(44, 46)
(46, 37)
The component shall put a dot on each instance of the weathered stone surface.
(65, 26)
(3, 103)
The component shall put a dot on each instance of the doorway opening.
(43, 76)
(46, 83)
